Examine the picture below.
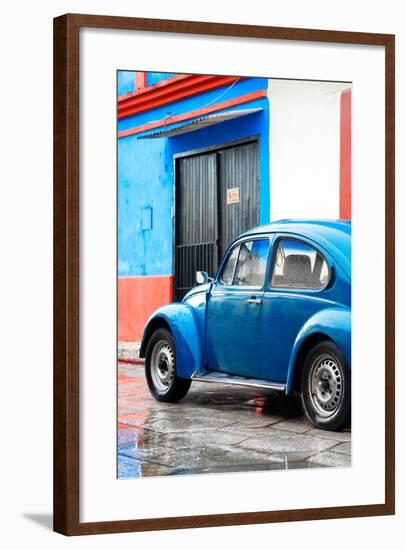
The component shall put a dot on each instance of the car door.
(299, 285)
(234, 310)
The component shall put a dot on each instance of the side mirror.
(201, 277)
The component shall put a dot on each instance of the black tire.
(160, 368)
(326, 387)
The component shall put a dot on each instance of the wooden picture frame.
(67, 283)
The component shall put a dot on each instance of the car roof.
(333, 235)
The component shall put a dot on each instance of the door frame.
(254, 138)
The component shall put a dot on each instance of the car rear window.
(299, 265)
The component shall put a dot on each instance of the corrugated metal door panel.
(197, 200)
(196, 220)
(239, 170)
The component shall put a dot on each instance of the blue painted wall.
(145, 194)
(145, 176)
(125, 82)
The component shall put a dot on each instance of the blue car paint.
(186, 323)
(333, 322)
(285, 310)
(230, 350)
(266, 341)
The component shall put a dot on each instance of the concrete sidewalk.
(216, 428)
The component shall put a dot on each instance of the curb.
(128, 352)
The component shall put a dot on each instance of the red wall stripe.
(193, 114)
(138, 298)
(345, 206)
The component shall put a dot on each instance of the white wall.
(304, 148)
(26, 275)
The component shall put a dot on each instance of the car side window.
(252, 261)
(299, 265)
(229, 267)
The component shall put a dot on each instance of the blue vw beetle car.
(277, 315)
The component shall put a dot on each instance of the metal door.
(239, 192)
(217, 198)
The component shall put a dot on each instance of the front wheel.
(160, 368)
(325, 387)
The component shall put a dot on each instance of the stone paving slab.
(217, 428)
(343, 437)
(189, 424)
(345, 448)
(276, 441)
(331, 459)
(247, 420)
(296, 425)
(185, 440)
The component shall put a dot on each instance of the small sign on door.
(232, 195)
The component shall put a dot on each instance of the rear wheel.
(325, 387)
(160, 368)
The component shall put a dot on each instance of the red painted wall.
(345, 207)
(138, 297)
(140, 80)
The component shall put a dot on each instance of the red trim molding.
(167, 91)
(193, 114)
(345, 206)
(158, 84)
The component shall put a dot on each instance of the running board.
(224, 378)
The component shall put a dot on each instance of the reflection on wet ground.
(217, 428)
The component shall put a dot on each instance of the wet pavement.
(217, 428)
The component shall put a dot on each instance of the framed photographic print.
(223, 274)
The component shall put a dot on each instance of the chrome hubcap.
(162, 366)
(326, 385)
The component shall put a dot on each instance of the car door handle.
(256, 301)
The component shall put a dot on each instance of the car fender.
(335, 324)
(180, 318)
